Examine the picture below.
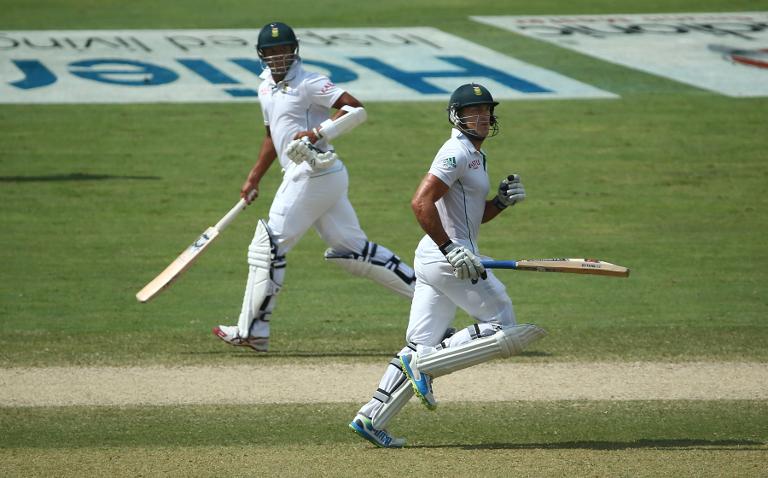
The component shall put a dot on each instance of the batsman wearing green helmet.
(450, 204)
(303, 113)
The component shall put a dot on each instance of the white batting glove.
(324, 160)
(465, 264)
(301, 150)
(511, 192)
(298, 150)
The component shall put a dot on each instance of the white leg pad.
(394, 390)
(378, 263)
(393, 393)
(504, 343)
(261, 284)
(397, 400)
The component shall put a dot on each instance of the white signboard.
(723, 52)
(379, 64)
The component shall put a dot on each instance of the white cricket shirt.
(463, 169)
(298, 103)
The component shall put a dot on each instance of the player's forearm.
(250, 189)
(429, 220)
(427, 194)
(267, 156)
(490, 211)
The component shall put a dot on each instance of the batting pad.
(259, 283)
(506, 342)
(392, 407)
(378, 263)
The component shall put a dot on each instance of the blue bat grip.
(500, 264)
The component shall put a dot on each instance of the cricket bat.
(575, 266)
(189, 256)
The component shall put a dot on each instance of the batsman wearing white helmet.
(450, 204)
(296, 106)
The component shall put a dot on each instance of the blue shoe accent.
(381, 438)
(421, 382)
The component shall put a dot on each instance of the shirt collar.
(455, 133)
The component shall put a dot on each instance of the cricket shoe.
(230, 335)
(363, 426)
(421, 382)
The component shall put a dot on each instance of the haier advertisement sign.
(726, 53)
(148, 66)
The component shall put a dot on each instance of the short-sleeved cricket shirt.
(463, 169)
(300, 102)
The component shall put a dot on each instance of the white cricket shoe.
(363, 426)
(230, 335)
(421, 382)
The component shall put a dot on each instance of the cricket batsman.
(296, 106)
(450, 204)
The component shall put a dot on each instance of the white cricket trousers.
(321, 201)
(438, 293)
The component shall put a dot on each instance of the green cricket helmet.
(469, 95)
(277, 34)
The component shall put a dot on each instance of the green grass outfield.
(669, 180)
(529, 439)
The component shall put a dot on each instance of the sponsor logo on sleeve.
(327, 87)
(449, 163)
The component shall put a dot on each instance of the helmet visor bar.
(477, 125)
(279, 64)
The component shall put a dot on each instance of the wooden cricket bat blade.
(567, 265)
(188, 256)
(178, 266)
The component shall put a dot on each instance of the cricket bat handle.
(499, 264)
(231, 215)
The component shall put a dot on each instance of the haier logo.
(221, 65)
(680, 46)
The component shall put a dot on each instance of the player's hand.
(298, 150)
(324, 160)
(249, 191)
(465, 264)
(307, 134)
(301, 150)
(511, 192)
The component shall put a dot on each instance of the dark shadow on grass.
(245, 353)
(670, 444)
(71, 177)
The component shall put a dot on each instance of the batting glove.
(511, 192)
(301, 150)
(465, 264)
(298, 150)
(324, 160)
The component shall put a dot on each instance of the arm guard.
(332, 129)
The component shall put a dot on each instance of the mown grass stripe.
(565, 424)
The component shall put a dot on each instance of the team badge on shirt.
(327, 87)
(449, 162)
